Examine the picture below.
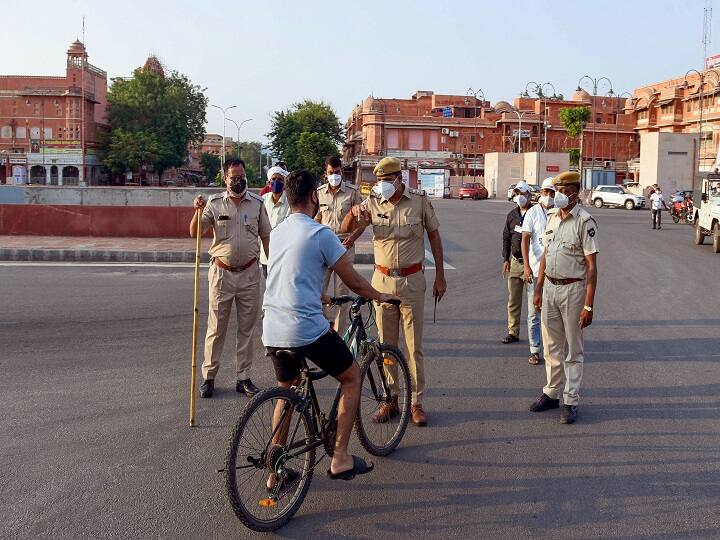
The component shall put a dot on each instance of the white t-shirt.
(656, 201)
(277, 213)
(534, 223)
(300, 251)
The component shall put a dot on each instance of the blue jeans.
(533, 320)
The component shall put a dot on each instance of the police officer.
(565, 292)
(336, 198)
(237, 218)
(399, 216)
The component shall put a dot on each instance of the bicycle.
(267, 481)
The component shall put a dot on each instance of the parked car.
(511, 192)
(616, 196)
(473, 191)
(534, 192)
(707, 211)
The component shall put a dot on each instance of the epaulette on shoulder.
(585, 215)
(216, 197)
(254, 196)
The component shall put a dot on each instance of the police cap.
(387, 166)
(567, 178)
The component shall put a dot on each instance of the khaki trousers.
(411, 313)
(339, 316)
(561, 306)
(516, 289)
(226, 288)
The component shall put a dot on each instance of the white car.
(616, 196)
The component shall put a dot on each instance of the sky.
(265, 55)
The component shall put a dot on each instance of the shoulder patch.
(591, 232)
(254, 196)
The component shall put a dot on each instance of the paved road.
(94, 438)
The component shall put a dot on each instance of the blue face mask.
(277, 186)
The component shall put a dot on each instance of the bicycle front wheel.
(384, 408)
(267, 473)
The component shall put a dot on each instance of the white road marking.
(429, 257)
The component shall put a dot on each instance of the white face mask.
(561, 200)
(547, 201)
(384, 190)
(334, 179)
(521, 200)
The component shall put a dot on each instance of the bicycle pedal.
(388, 362)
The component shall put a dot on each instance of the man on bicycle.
(302, 251)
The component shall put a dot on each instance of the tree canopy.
(574, 119)
(152, 121)
(305, 134)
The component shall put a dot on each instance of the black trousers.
(657, 218)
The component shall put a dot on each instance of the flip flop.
(359, 467)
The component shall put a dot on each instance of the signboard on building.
(712, 61)
(552, 168)
(432, 181)
(525, 133)
(447, 112)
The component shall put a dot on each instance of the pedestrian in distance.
(533, 236)
(565, 292)
(336, 198)
(512, 268)
(275, 203)
(657, 203)
(240, 224)
(400, 216)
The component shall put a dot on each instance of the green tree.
(250, 154)
(305, 134)
(210, 164)
(163, 114)
(575, 119)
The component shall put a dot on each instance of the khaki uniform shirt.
(568, 241)
(235, 228)
(398, 229)
(335, 206)
(277, 212)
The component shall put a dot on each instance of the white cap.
(272, 171)
(522, 186)
(548, 183)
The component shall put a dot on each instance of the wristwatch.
(588, 308)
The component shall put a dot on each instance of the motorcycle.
(678, 211)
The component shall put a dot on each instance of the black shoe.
(510, 339)
(568, 414)
(206, 390)
(545, 403)
(246, 387)
(659, 228)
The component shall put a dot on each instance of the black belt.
(518, 259)
(567, 281)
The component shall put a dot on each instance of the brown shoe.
(418, 415)
(386, 411)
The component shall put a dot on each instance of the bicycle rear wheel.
(385, 382)
(253, 457)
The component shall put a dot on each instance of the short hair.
(233, 162)
(333, 161)
(281, 164)
(299, 185)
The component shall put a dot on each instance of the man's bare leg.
(347, 408)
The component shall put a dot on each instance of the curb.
(109, 255)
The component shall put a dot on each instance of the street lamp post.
(238, 126)
(539, 90)
(595, 82)
(617, 126)
(474, 94)
(703, 76)
(224, 111)
(520, 116)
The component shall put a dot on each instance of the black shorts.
(328, 352)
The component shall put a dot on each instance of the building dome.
(581, 95)
(76, 48)
(630, 103)
(153, 64)
(503, 106)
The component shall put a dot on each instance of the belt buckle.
(395, 272)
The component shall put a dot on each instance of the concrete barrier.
(103, 196)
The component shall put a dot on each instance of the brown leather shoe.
(386, 411)
(418, 415)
